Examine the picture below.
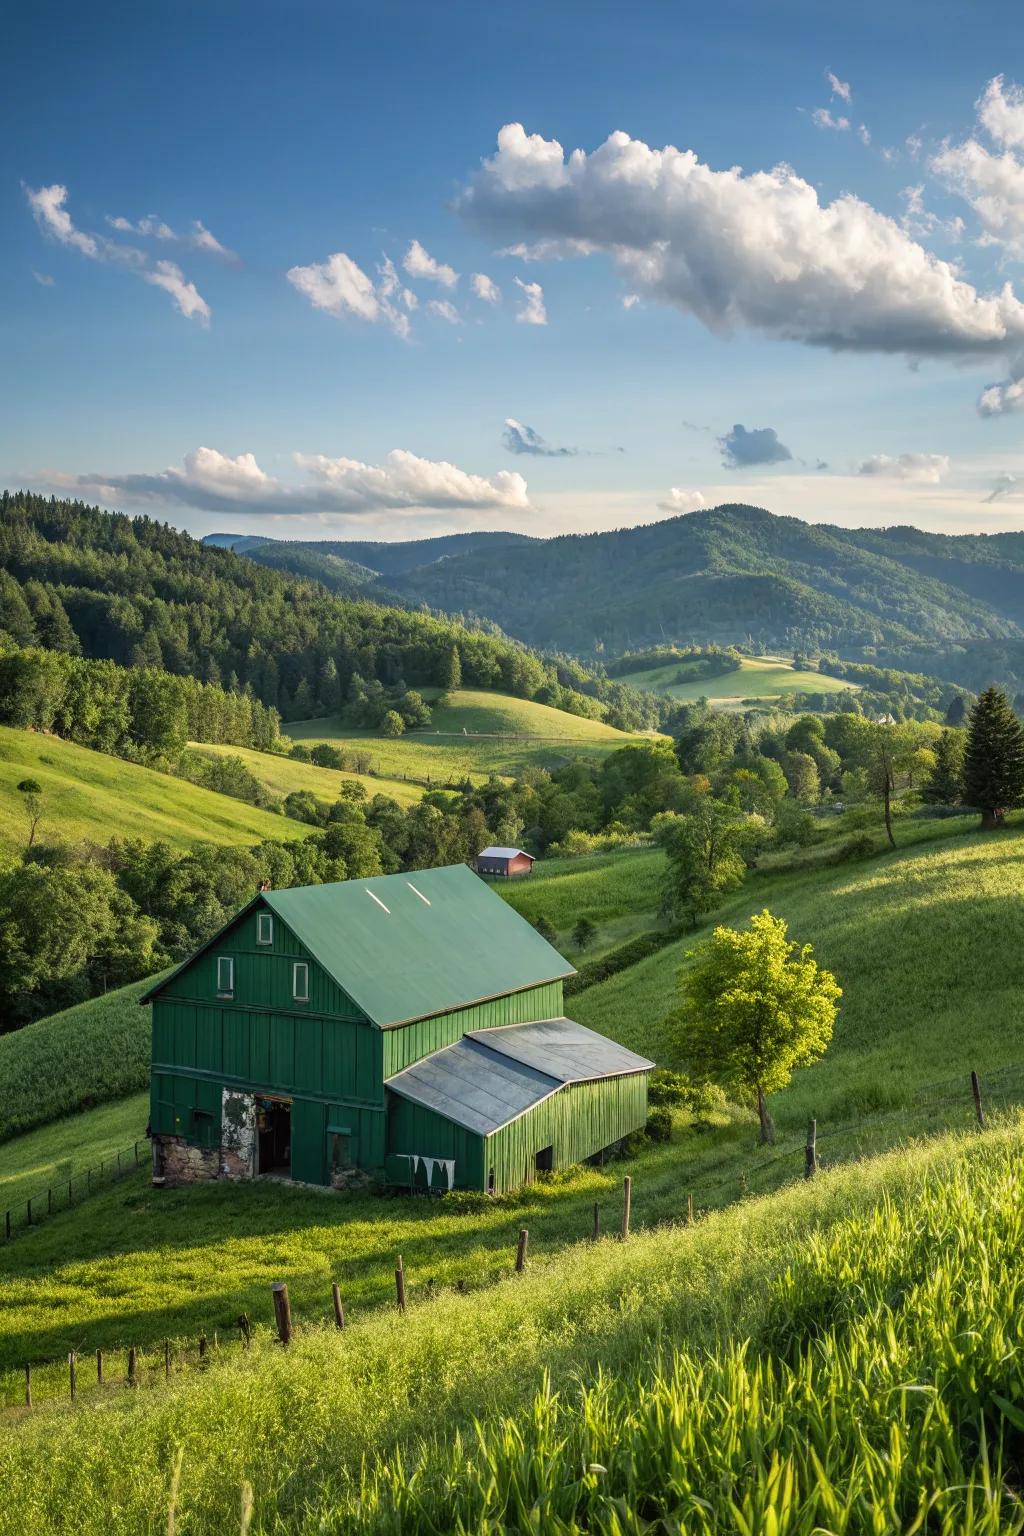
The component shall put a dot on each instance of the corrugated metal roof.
(407, 946)
(562, 1049)
(493, 1076)
(503, 853)
(477, 1088)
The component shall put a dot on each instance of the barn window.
(300, 982)
(264, 928)
(225, 976)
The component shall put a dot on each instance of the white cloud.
(864, 133)
(532, 311)
(1001, 112)
(922, 468)
(1005, 396)
(920, 221)
(630, 300)
(839, 87)
(47, 205)
(341, 287)
(154, 228)
(821, 117)
(992, 185)
(410, 300)
(519, 438)
(679, 500)
(215, 482)
(915, 144)
(755, 251)
(444, 309)
(419, 263)
(169, 276)
(485, 288)
(44, 279)
(1002, 485)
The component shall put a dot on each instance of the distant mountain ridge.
(730, 573)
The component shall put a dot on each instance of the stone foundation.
(176, 1161)
(350, 1178)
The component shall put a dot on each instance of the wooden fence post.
(28, 1385)
(976, 1090)
(49, 1202)
(811, 1150)
(689, 1207)
(597, 1221)
(71, 1375)
(627, 1201)
(202, 1349)
(524, 1238)
(400, 1284)
(245, 1328)
(133, 1368)
(339, 1310)
(28, 1208)
(282, 1312)
(99, 1367)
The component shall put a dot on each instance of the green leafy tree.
(450, 673)
(584, 933)
(994, 758)
(545, 929)
(885, 752)
(392, 724)
(945, 783)
(755, 1006)
(704, 857)
(31, 792)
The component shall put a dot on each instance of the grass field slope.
(842, 1357)
(283, 775)
(764, 678)
(89, 795)
(909, 935)
(475, 734)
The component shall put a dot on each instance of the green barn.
(406, 1029)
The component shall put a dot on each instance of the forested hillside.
(142, 594)
(728, 574)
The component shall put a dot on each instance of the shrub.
(860, 846)
(659, 1124)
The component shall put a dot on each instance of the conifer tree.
(945, 783)
(994, 759)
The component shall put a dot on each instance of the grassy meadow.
(88, 795)
(283, 775)
(54, 1153)
(759, 677)
(476, 734)
(792, 1364)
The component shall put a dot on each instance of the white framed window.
(264, 928)
(225, 976)
(300, 982)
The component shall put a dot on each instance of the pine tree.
(451, 670)
(545, 929)
(945, 784)
(994, 759)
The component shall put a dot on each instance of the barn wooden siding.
(411, 1042)
(577, 1121)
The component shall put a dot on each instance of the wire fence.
(92, 1375)
(64, 1193)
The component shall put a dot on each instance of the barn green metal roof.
(405, 947)
(493, 1076)
(562, 1049)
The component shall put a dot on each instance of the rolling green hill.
(89, 795)
(283, 775)
(725, 574)
(477, 733)
(758, 677)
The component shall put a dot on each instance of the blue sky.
(262, 369)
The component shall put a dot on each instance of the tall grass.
(71, 1060)
(845, 1356)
